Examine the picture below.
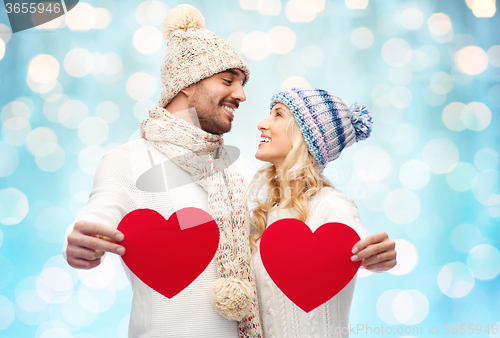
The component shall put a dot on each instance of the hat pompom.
(181, 17)
(361, 121)
(232, 297)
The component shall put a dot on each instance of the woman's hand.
(376, 252)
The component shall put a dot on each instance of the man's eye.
(228, 81)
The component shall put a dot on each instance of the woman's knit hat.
(193, 53)
(326, 123)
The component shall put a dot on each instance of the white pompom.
(181, 17)
(232, 297)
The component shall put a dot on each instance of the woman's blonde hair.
(301, 179)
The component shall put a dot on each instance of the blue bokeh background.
(429, 175)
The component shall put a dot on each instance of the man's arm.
(376, 252)
(113, 196)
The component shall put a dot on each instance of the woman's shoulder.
(331, 196)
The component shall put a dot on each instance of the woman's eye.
(228, 81)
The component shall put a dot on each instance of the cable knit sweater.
(279, 316)
(116, 192)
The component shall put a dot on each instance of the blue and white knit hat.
(326, 123)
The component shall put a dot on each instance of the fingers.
(85, 241)
(79, 263)
(382, 266)
(369, 240)
(387, 256)
(83, 253)
(96, 229)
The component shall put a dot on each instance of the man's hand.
(376, 252)
(88, 242)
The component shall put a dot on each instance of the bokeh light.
(257, 45)
(410, 307)
(402, 206)
(93, 130)
(108, 111)
(486, 158)
(13, 207)
(440, 27)
(141, 86)
(151, 13)
(2, 49)
(7, 313)
(404, 139)
(494, 55)
(282, 39)
(407, 257)
(43, 69)
(484, 261)
(414, 174)
(411, 19)
(372, 164)
(81, 18)
(471, 60)
(356, 4)
(72, 113)
(362, 38)
(9, 159)
(294, 81)
(148, 39)
(103, 18)
(312, 56)
(441, 155)
(396, 52)
(485, 184)
(78, 62)
(455, 280)
(461, 177)
(476, 116)
(464, 237)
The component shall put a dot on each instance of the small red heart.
(168, 255)
(309, 268)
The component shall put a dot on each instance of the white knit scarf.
(202, 155)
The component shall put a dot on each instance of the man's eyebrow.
(232, 71)
(235, 73)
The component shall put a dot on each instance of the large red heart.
(309, 268)
(168, 255)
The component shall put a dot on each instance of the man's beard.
(209, 112)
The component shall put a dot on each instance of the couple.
(203, 79)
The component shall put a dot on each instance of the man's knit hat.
(326, 123)
(193, 53)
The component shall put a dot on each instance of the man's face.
(215, 99)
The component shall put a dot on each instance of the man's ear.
(189, 90)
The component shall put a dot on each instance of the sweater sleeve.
(113, 195)
(338, 207)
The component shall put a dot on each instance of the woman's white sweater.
(280, 317)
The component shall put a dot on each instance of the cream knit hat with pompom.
(193, 53)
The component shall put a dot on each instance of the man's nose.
(239, 93)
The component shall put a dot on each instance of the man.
(203, 79)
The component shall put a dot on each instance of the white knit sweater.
(190, 313)
(280, 317)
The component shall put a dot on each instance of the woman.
(306, 129)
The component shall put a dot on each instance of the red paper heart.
(309, 268)
(168, 255)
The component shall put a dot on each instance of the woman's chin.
(261, 157)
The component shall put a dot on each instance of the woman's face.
(274, 143)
